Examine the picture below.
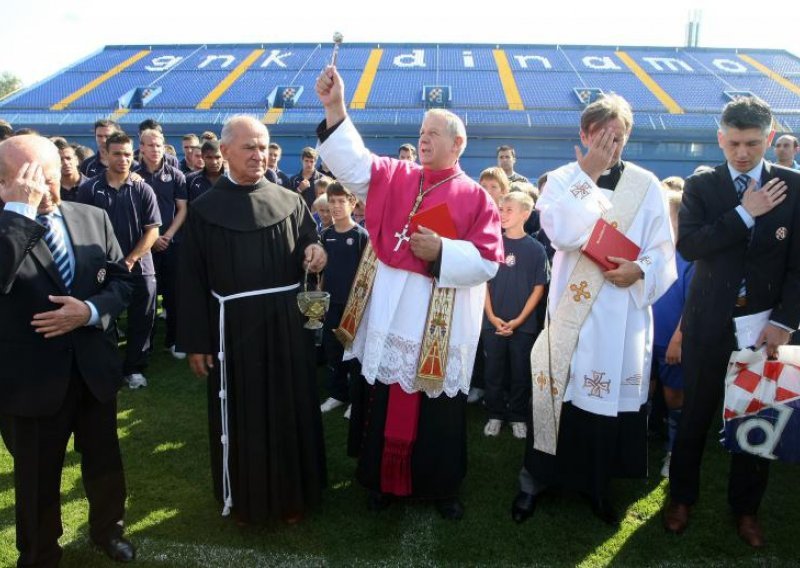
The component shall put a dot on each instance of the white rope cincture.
(227, 495)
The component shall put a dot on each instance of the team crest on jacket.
(511, 260)
(781, 233)
(166, 178)
(349, 241)
(101, 275)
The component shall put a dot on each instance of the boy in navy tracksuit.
(509, 327)
(344, 241)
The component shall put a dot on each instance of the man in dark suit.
(740, 224)
(62, 285)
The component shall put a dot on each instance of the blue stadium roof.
(519, 86)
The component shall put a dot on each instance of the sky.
(73, 30)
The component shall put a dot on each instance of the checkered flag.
(755, 383)
(762, 404)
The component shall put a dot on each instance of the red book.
(607, 241)
(437, 219)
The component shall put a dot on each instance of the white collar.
(55, 212)
(755, 173)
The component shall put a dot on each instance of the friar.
(247, 244)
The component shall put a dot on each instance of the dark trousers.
(166, 264)
(704, 367)
(339, 372)
(39, 449)
(478, 370)
(141, 316)
(7, 432)
(514, 353)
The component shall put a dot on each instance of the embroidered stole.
(432, 361)
(552, 352)
(358, 297)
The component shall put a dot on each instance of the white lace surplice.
(389, 338)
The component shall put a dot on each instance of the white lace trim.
(389, 359)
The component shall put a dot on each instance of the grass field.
(174, 521)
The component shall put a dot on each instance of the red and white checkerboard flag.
(754, 383)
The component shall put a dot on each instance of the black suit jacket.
(713, 235)
(35, 372)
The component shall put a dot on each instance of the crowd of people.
(443, 291)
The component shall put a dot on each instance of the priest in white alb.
(591, 365)
(414, 313)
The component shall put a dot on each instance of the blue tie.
(58, 248)
(740, 183)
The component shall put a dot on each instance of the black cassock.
(240, 239)
(439, 455)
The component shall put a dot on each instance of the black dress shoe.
(450, 509)
(378, 501)
(118, 549)
(604, 511)
(523, 507)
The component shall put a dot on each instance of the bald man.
(786, 148)
(247, 242)
(62, 285)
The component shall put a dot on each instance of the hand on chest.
(773, 230)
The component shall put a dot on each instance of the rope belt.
(227, 496)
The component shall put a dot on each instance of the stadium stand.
(523, 94)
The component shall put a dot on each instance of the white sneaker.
(475, 394)
(136, 381)
(347, 412)
(665, 465)
(492, 427)
(330, 404)
(519, 429)
(179, 355)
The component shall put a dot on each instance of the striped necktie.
(55, 242)
(740, 183)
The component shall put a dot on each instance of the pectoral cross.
(401, 236)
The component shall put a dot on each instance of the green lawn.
(174, 520)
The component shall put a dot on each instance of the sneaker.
(136, 381)
(492, 427)
(665, 465)
(179, 355)
(330, 404)
(475, 394)
(520, 430)
(347, 412)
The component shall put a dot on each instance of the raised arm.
(330, 90)
(570, 206)
(18, 233)
(340, 144)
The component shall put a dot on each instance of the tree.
(9, 83)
